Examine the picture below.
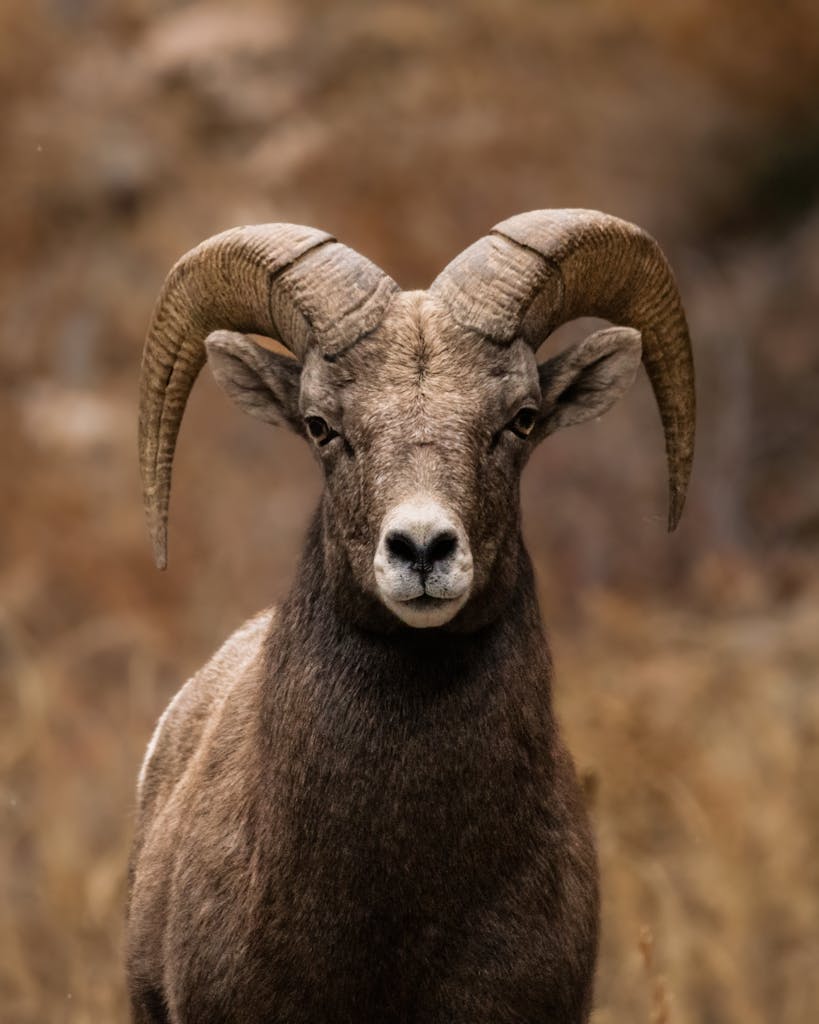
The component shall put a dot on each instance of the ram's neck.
(386, 760)
(335, 636)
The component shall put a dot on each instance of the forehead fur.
(420, 361)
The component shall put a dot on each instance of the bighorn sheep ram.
(361, 810)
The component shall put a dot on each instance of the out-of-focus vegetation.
(687, 665)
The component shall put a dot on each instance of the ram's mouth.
(426, 611)
(427, 601)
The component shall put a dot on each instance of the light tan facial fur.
(421, 445)
(421, 409)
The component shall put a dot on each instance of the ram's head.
(421, 406)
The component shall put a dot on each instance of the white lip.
(425, 611)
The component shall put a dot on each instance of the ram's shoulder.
(181, 726)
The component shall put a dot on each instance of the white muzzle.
(423, 563)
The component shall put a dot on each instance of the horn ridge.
(538, 270)
(271, 279)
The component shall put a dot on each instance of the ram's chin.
(426, 612)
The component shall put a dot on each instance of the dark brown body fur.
(365, 826)
(361, 811)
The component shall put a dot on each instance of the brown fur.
(345, 819)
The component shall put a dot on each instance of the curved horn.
(538, 270)
(292, 283)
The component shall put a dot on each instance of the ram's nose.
(421, 549)
(423, 563)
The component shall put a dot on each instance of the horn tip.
(159, 542)
(675, 510)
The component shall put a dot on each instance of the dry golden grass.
(701, 730)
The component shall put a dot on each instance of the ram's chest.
(349, 859)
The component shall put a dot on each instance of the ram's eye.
(320, 430)
(524, 423)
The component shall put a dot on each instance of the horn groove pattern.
(288, 282)
(538, 270)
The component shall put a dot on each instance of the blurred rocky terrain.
(688, 664)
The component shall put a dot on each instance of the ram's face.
(422, 430)
(421, 407)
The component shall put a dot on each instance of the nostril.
(421, 557)
(400, 546)
(440, 547)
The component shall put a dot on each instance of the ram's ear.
(586, 379)
(263, 383)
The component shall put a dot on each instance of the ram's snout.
(423, 563)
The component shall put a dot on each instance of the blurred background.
(687, 665)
